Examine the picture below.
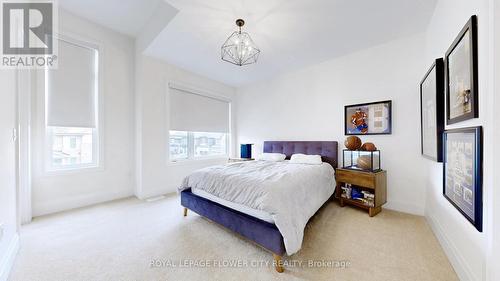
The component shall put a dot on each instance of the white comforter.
(290, 193)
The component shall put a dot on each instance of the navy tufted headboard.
(327, 149)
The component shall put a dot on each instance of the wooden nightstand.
(375, 183)
(232, 160)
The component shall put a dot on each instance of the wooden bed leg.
(278, 263)
(185, 211)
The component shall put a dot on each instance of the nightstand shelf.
(373, 182)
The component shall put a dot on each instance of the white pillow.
(300, 158)
(274, 157)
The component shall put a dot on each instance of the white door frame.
(24, 94)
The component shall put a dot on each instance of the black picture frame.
(351, 131)
(465, 196)
(433, 81)
(469, 29)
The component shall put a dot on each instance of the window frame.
(205, 93)
(97, 134)
(191, 147)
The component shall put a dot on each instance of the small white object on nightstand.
(233, 160)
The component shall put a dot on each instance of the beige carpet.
(119, 241)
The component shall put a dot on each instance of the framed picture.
(463, 172)
(368, 118)
(461, 75)
(432, 112)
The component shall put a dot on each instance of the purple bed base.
(261, 232)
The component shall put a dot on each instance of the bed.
(263, 218)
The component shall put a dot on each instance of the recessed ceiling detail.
(292, 33)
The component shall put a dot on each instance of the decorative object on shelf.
(239, 48)
(364, 162)
(346, 191)
(246, 150)
(368, 146)
(368, 118)
(368, 198)
(365, 197)
(432, 112)
(461, 75)
(368, 161)
(352, 143)
(356, 193)
(463, 172)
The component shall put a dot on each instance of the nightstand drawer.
(356, 178)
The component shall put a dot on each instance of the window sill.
(73, 170)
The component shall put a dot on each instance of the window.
(71, 105)
(209, 144)
(71, 146)
(178, 145)
(196, 145)
(199, 125)
(73, 142)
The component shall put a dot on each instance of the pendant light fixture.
(239, 48)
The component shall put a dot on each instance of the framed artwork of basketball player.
(373, 118)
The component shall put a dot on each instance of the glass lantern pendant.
(239, 48)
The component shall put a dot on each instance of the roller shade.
(197, 113)
(71, 96)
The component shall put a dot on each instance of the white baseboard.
(156, 192)
(65, 204)
(7, 260)
(404, 208)
(458, 262)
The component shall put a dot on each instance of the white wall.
(135, 118)
(464, 245)
(155, 174)
(8, 201)
(309, 105)
(53, 193)
(493, 245)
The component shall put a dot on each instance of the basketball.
(352, 143)
(365, 162)
(368, 146)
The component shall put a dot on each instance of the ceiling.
(125, 16)
(290, 33)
